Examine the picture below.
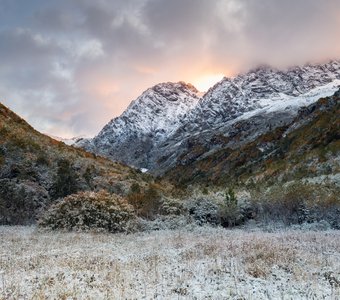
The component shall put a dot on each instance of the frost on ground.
(202, 263)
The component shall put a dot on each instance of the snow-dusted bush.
(171, 206)
(170, 222)
(298, 203)
(90, 211)
(218, 208)
(204, 210)
(315, 226)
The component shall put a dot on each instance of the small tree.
(230, 212)
(151, 202)
(65, 181)
(147, 202)
(230, 197)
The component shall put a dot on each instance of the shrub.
(89, 174)
(135, 188)
(171, 206)
(204, 210)
(117, 188)
(42, 159)
(89, 210)
(218, 208)
(298, 203)
(21, 202)
(147, 203)
(170, 222)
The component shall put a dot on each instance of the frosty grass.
(203, 263)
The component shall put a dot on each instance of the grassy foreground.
(200, 263)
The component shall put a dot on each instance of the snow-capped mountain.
(307, 147)
(70, 141)
(147, 121)
(262, 88)
(159, 127)
(237, 110)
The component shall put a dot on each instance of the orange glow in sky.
(205, 82)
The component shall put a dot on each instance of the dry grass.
(204, 263)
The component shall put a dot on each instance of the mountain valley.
(263, 129)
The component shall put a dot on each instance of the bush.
(218, 208)
(171, 206)
(147, 203)
(170, 222)
(135, 188)
(298, 203)
(204, 210)
(89, 210)
(21, 202)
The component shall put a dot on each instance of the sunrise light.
(205, 82)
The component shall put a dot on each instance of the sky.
(69, 66)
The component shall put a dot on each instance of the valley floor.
(201, 263)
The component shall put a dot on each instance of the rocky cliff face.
(160, 127)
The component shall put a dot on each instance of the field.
(197, 263)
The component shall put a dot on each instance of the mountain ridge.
(264, 96)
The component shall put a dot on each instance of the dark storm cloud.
(70, 66)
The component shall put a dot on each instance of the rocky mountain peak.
(146, 122)
(168, 94)
(169, 89)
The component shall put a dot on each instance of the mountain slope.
(307, 147)
(36, 169)
(238, 110)
(146, 122)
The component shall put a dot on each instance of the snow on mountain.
(285, 102)
(262, 87)
(240, 109)
(146, 122)
(70, 141)
(160, 125)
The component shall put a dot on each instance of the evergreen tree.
(66, 180)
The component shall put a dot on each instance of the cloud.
(69, 66)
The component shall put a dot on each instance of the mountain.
(236, 111)
(35, 170)
(159, 128)
(69, 141)
(263, 88)
(147, 122)
(308, 148)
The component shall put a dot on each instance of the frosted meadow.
(199, 263)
